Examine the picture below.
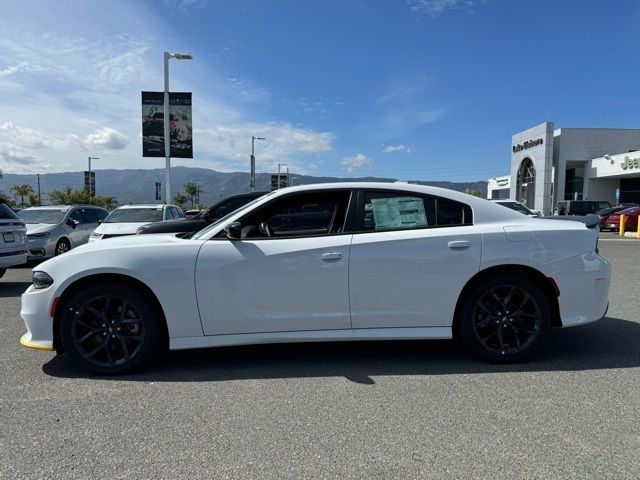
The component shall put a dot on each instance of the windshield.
(49, 216)
(134, 215)
(518, 207)
(207, 229)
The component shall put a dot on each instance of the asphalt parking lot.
(366, 410)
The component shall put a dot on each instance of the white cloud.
(434, 8)
(354, 162)
(106, 138)
(396, 148)
(74, 85)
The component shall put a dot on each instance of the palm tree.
(180, 199)
(22, 191)
(193, 191)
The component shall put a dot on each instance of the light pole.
(90, 182)
(283, 165)
(252, 179)
(166, 119)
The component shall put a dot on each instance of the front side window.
(89, 215)
(75, 215)
(405, 211)
(306, 214)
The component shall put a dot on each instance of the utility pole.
(39, 201)
(252, 179)
(167, 118)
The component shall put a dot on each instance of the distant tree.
(193, 191)
(69, 196)
(21, 191)
(33, 200)
(109, 202)
(474, 192)
(180, 199)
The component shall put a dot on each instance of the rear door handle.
(330, 256)
(459, 244)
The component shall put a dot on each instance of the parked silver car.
(57, 229)
(13, 245)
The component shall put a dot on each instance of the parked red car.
(605, 213)
(630, 219)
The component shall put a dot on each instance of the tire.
(101, 339)
(2, 272)
(63, 246)
(504, 319)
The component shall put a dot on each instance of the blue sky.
(415, 89)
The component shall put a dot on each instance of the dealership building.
(551, 164)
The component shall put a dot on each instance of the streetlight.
(252, 180)
(283, 165)
(90, 182)
(166, 118)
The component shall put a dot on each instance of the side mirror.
(234, 231)
(72, 223)
(100, 220)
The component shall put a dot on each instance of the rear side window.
(6, 213)
(400, 211)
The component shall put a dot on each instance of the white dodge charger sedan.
(344, 261)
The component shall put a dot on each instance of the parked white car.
(13, 239)
(126, 219)
(518, 207)
(343, 261)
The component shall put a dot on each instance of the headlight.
(39, 235)
(41, 280)
(96, 235)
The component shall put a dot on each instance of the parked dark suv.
(207, 217)
(580, 207)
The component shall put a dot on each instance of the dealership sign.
(180, 125)
(630, 163)
(528, 144)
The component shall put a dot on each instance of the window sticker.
(399, 212)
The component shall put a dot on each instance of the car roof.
(156, 206)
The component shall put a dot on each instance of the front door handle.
(459, 244)
(330, 256)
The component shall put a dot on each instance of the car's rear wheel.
(504, 319)
(108, 329)
(62, 246)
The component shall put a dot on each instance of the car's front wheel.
(63, 246)
(109, 329)
(504, 319)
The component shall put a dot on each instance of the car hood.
(129, 241)
(118, 228)
(39, 227)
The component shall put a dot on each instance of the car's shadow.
(610, 343)
(12, 289)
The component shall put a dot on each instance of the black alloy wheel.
(62, 246)
(109, 329)
(505, 319)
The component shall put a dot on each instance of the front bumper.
(36, 305)
(40, 248)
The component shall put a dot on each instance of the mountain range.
(138, 186)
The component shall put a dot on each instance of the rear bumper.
(11, 259)
(584, 282)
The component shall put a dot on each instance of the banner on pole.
(180, 124)
(284, 181)
(90, 182)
